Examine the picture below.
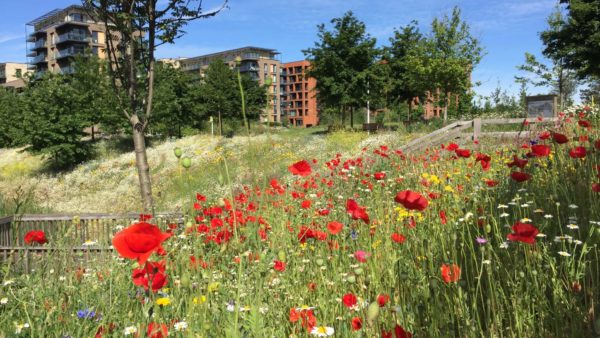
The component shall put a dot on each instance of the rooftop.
(237, 50)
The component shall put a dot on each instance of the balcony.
(248, 68)
(66, 70)
(38, 59)
(72, 51)
(74, 19)
(74, 37)
(39, 44)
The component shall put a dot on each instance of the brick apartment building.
(298, 93)
(59, 35)
(258, 63)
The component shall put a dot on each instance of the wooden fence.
(457, 132)
(75, 238)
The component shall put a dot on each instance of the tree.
(452, 55)
(175, 101)
(219, 92)
(341, 62)
(577, 39)
(54, 121)
(89, 79)
(562, 81)
(135, 28)
(592, 92)
(407, 65)
(11, 114)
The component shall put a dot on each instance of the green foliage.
(54, 121)
(407, 65)
(342, 61)
(562, 80)
(11, 112)
(176, 105)
(452, 54)
(577, 39)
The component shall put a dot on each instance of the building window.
(274, 68)
(266, 68)
(95, 50)
(95, 37)
(19, 73)
(274, 78)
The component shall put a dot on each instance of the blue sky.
(506, 28)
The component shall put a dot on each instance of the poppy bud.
(186, 162)
(372, 311)
(178, 152)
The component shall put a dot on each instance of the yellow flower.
(199, 300)
(163, 301)
(448, 188)
(212, 287)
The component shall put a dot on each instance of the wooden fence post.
(476, 129)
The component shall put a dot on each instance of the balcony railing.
(72, 37)
(249, 68)
(68, 52)
(39, 44)
(67, 70)
(38, 59)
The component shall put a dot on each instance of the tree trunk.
(141, 162)
(409, 102)
(446, 102)
(220, 125)
(93, 135)
(352, 118)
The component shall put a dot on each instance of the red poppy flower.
(523, 232)
(349, 300)
(200, 198)
(401, 333)
(597, 144)
(356, 323)
(465, 153)
(301, 168)
(450, 273)
(139, 241)
(578, 152)
(491, 183)
(520, 176)
(334, 227)
(540, 150)
(544, 135)
(279, 266)
(379, 176)
(443, 218)
(398, 238)
(37, 236)
(584, 123)
(382, 300)
(152, 274)
(145, 217)
(157, 330)
(356, 211)
(517, 162)
(306, 204)
(560, 138)
(452, 147)
(596, 187)
(411, 200)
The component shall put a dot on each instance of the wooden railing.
(74, 237)
(456, 132)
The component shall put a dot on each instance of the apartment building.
(298, 93)
(12, 71)
(259, 63)
(55, 37)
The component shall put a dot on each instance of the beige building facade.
(61, 34)
(258, 63)
(12, 71)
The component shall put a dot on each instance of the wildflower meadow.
(465, 239)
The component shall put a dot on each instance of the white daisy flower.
(322, 331)
(4, 301)
(130, 330)
(180, 326)
(548, 216)
(573, 206)
(573, 226)
(564, 254)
